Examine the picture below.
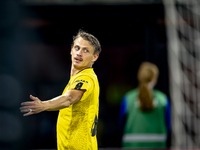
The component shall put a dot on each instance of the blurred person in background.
(145, 112)
(79, 103)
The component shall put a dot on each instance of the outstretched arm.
(60, 102)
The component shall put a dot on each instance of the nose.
(79, 52)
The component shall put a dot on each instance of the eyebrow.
(82, 47)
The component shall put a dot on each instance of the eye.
(86, 51)
(76, 47)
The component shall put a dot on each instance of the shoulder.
(132, 92)
(159, 93)
(129, 99)
(131, 95)
(87, 73)
(82, 79)
(160, 96)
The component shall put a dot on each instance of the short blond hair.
(89, 37)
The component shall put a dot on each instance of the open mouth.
(78, 59)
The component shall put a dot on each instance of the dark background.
(35, 42)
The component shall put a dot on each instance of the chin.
(78, 67)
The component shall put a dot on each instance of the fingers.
(33, 98)
(28, 114)
(30, 102)
(29, 106)
(27, 103)
(26, 108)
(27, 111)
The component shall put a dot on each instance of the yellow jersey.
(77, 124)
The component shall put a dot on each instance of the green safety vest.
(145, 129)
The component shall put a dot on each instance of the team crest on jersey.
(79, 84)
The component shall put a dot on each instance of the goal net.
(183, 36)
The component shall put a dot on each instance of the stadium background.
(35, 42)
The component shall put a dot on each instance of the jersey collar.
(83, 70)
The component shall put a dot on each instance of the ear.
(95, 57)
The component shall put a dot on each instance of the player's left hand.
(31, 107)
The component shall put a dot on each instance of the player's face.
(82, 54)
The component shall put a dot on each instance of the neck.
(74, 71)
